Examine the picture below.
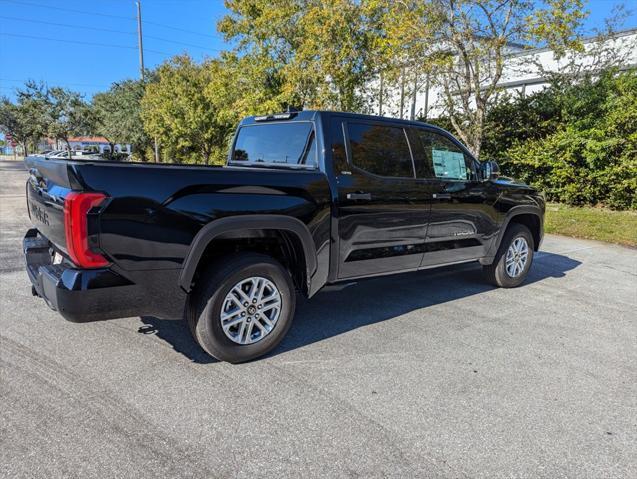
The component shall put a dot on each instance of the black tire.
(203, 313)
(496, 273)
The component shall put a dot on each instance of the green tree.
(69, 115)
(28, 119)
(404, 59)
(11, 124)
(177, 110)
(476, 36)
(577, 142)
(243, 85)
(319, 48)
(118, 116)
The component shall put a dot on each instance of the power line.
(84, 12)
(181, 29)
(66, 83)
(108, 30)
(77, 42)
(67, 25)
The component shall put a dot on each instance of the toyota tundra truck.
(306, 199)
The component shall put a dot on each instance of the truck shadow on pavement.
(344, 307)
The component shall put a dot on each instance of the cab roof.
(313, 115)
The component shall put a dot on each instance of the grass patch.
(592, 223)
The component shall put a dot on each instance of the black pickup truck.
(306, 199)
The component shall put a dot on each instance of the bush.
(578, 143)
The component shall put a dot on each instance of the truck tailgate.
(47, 186)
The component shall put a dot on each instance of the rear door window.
(292, 143)
(380, 149)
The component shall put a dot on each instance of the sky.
(86, 45)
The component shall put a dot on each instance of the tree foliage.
(194, 108)
(40, 112)
(118, 116)
(69, 115)
(11, 123)
(28, 119)
(320, 50)
(577, 142)
(477, 36)
(177, 110)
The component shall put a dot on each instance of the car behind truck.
(306, 199)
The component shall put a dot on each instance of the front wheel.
(242, 307)
(513, 259)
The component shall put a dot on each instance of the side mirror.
(489, 170)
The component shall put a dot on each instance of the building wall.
(525, 72)
(102, 146)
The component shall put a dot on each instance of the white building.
(525, 71)
(84, 143)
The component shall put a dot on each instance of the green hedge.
(578, 142)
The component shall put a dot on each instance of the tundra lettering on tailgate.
(39, 214)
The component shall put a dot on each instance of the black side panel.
(156, 211)
(244, 223)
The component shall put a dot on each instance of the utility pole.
(141, 60)
(139, 39)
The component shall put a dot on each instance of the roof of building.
(82, 139)
(590, 39)
(88, 139)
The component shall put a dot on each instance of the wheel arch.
(529, 216)
(245, 226)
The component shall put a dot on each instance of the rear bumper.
(84, 295)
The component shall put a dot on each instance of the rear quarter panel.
(156, 211)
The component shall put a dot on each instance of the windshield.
(290, 143)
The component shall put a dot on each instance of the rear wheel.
(513, 259)
(242, 307)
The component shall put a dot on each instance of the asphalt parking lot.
(429, 374)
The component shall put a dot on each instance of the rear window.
(292, 143)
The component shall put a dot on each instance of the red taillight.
(76, 208)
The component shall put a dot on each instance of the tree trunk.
(414, 95)
(380, 100)
(68, 145)
(402, 93)
(427, 97)
(476, 145)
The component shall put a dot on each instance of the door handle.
(359, 196)
(442, 196)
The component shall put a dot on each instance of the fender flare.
(246, 222)
(512, 213)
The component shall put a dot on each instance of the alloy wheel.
(250, 310)
(516, 257)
